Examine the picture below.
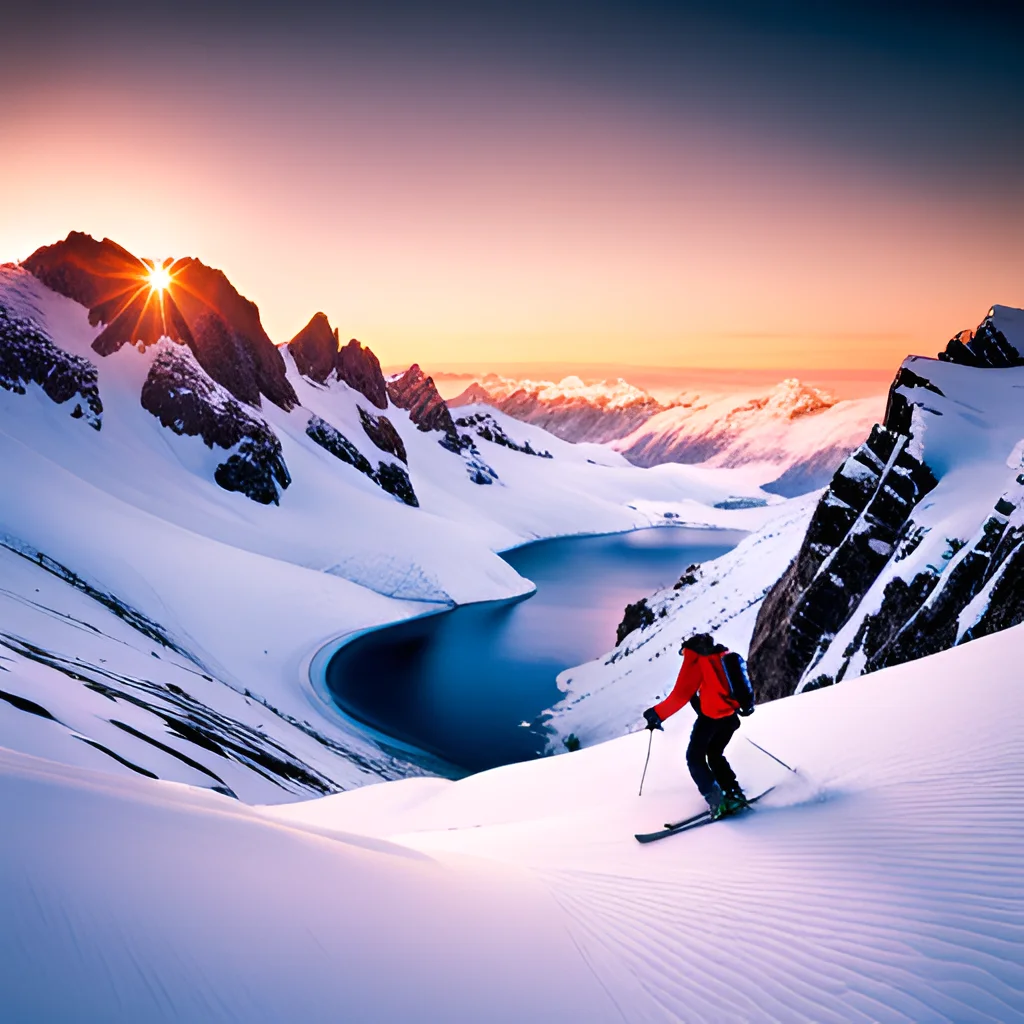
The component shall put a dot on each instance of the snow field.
(882, 884)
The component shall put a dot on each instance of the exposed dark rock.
(389, 476)
(188, 402)
(315, 349)
(854, 531)
(24, 704)
(636, 616)
(381, 431)
(201, 309)
(488, 428)
(480, 472)
(318, 353)
(360, 369)
(337, 444)
(898, 408)
(415, 392)
(395, 480)
(28, 356)
(985, 347)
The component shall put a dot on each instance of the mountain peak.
(199, 308)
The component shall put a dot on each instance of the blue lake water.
(459, 684)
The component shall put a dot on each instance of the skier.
(717, 691)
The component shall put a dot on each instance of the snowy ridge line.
(134, 618)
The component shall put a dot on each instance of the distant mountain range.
(789, 435)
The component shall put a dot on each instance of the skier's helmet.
(699, 643)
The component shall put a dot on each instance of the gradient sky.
(718, 185)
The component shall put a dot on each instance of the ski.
(687, 821)
(706, 814)
(695, 822)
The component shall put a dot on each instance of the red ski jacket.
(700, 674)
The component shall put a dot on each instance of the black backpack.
(739, 682)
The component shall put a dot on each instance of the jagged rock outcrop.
(988, 345)
(873, 585)
(188, 402)
(360, 369)
(29, 356)
(381, 431)
(489, 429)
(318, 353)
(415, 392)
(853, 533)
(389, 476)
(636, 616)
(315, 349)
(200, 309)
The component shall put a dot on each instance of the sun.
(159, 279)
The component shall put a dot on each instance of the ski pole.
(650, 739)
(770, 754)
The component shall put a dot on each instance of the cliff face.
(318, 353)
(201, 309)
(415, 392)
(916, 545)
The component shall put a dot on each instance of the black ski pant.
(705, 755)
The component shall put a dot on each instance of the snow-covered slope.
(200, 516)
(881, 883)
(793, 435)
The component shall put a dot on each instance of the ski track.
(855, 889)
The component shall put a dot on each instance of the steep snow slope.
(880, 884)
(794, 435)
(149, 505)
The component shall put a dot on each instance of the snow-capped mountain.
(792, 435)
(190, 513)
(918, 543)
(569, 408)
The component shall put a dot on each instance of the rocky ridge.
(318, 353)
(881, 577)
(187, 401)
(203, 312)
(29, 356)
(415, 392)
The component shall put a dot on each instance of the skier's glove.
(653, 721)
(746, 711)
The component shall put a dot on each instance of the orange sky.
(443, 225)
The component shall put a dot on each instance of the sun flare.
(159, 279)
